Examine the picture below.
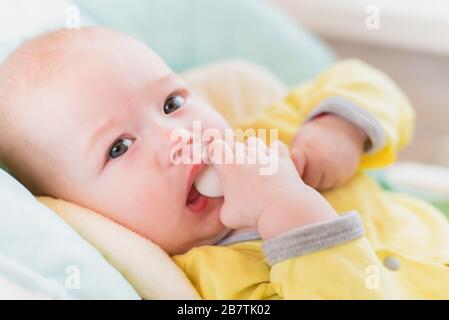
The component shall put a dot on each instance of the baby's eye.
(119, 148)
(173, 103)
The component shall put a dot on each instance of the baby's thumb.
(299, 159)
(230, 217)
(220, 153)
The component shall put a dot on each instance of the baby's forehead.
(46, 54)
(42, 75)
(33, 63)
(87, 50)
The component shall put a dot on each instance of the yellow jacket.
(404, 252)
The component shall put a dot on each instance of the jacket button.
(392, 263)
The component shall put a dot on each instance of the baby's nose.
(184, 148)
(180, 141)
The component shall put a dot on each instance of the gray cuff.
(361, 118)
(316, 237)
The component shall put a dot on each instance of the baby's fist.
(327, 150)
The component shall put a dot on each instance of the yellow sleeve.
(347, 271)
(324, 260)
(237, 271)
(357, 83)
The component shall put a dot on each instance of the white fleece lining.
(361, 118)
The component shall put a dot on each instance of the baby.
(87, 115)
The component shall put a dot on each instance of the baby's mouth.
(196, 202)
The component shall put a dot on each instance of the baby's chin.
(205, 220)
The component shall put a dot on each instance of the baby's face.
(106, 120)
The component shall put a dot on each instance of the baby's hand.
(273, 203)
(327, 150)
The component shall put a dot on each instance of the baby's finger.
(256, 147)
(312, 177)
(256, 151)
(327, 182)
(280, 148)
(299, 159)
(220, 152)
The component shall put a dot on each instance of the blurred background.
(410, 43)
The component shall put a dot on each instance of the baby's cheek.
(155, 198)
(143, 210)
(160, 218)
(130, 198)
